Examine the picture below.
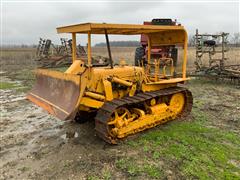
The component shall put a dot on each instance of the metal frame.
(169, 35)
(211, 51)
(128, 29)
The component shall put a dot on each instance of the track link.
(105, 112)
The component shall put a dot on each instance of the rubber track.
(105, 112)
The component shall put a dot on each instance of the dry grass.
(233, 56)
(118, 53)
(128, 53)
(18, 58)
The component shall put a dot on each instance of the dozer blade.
(58, 93)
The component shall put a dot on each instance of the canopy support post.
(74, 55)
(149, 55)
(108, 47)
(184, 65)
(89, 50)
(149, 50)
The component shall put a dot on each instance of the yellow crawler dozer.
(127, 99)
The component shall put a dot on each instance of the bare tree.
(191, 40)
(236, 39)
(218, 39)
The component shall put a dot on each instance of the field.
(35, 145)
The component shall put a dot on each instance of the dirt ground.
(35, 145)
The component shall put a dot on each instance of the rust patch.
(57, 94)
(45, 106)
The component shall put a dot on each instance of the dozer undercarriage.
(126, 99)
(122, 117)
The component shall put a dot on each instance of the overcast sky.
(25, 22)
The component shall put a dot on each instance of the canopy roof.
(125, 29)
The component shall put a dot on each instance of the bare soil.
(35, 145)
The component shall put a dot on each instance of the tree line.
(233, 40)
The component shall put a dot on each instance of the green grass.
(211, 83)
(134, 167)
(90, 177)
(7, 85)
(105, 175)
(190, 149)
(26, 77)
(17, 87)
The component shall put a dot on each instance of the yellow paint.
(95, 96)
(158, 35)
(84, 108)
(153, 102)
(125, 123)
(133, 90)
(58, 75)
(184, 65)
(169, 81)
(128, 29)
(177, 103)
(168, 38)
(108, 90)
(76, 67)
(158, 109)
(86, 101)
(74, 54)
(155, 87)
(100, 84)
(121, 81)
(89, 50)
(149, 50)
